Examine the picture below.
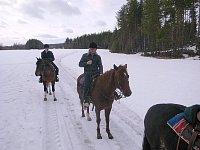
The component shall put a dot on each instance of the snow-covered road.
(29, 123)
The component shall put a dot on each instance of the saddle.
(81, 83)
(189, 132)
(117, 94)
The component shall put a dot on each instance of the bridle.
(41, 64)
(120, 94)
(117, 92)
(119, 89)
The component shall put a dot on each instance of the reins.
(196, 131)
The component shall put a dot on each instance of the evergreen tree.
(34, 44)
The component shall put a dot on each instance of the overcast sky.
(52, 21)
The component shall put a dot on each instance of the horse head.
(39, 67)
(122, 79)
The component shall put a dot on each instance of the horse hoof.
(55, 99)
(45, 99)
(89, 119)
(110, 136)
(99, 136)
(50, 93)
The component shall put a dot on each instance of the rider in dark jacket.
(48, 55)
(92, 64)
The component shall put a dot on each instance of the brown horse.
(47, 71)
(102, 93)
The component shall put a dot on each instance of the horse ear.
(126, 65)
(37, 58)
(115, 67)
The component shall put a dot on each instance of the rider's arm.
(51, 58)
(100, 65)
(83, 62)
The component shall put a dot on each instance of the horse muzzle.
(37, 74)
(128, 93)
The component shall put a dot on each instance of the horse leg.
(49, 87)
(86, 112)
(98, 123)
(107, 116)
(83, 114)
(145, 144)
(53, 89)
(45, 91)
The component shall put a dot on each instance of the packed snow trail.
(27, 122)
(66, 129)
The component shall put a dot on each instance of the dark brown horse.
(47, 71)
(102, 93)
(158, 135)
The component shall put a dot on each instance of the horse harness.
(118, 94)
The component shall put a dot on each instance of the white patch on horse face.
(126, 75)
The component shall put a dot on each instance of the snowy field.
(29, 123)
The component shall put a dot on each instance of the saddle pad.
(178, 123)
(183, 129)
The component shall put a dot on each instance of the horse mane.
(47, 63)
(107, 73)
(106, 77)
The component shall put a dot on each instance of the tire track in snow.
(51, 135)
(61, 126)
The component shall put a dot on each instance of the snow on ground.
(29, 123)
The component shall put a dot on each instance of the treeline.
(158, 25)
(149, 26)
(30, 44)
(161, 28)
(13, 47)
(103, 40)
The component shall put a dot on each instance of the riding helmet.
(93, 45)
(46, 46)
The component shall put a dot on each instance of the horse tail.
(80, 83)
(146, 145)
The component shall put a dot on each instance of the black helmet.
(93, 45)
(46, 46)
